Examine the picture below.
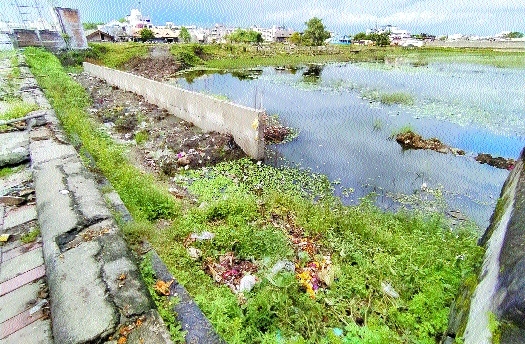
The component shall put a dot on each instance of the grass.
(242, 56)
(30, 236)
(8, 171)
(265, 215)
(386, 98)
(17, 109)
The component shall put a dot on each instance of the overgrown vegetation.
(163, 303)
(138, 191)
(8, 171)
(256, 211)
(327, 273)
(238, 56)
(16, 109)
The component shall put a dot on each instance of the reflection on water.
(471, 107)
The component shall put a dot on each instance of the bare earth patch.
(159, 142)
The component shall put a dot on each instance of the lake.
(345, 131)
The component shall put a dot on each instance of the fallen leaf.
(122, 340)
(122, 277)
(163, 288)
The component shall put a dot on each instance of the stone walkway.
(66, 274)
(24, 305)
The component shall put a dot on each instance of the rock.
(11, 200)
(14, 148)
(183, 161)
(499, 162)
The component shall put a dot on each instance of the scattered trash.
(389, 290)
(282, 265)
(338, 332)
(39, 305)
(498, 162)
(230, 271)
(203, 236)
(247, 283)
(64, 192)
(316, 275)
(4, 237)
(411, 140)
(194, 253)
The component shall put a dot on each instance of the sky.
(482, 17)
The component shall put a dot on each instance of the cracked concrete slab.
(88, 198)
(152, 331)
(20, 216)
(54, 206)
(122, 277)
(80, 310)
(14, 148)
(48, 150)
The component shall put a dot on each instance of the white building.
(218, 33)
(136, 22)
(394, 32)
(274, 34)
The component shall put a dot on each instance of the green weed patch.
(359, 274)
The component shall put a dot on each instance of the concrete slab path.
(62, 257)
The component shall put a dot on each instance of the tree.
(184, 35)
(380, 39)
(295, 38)
(146, 34)
(360, 36)
(514, 34)
(315, 33)
(245, 36)
(91, 26)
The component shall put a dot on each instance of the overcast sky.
(482, 17)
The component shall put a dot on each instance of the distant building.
(341, 39)
(274, 34)
(218, 33)
(136, 22)
(99, 36)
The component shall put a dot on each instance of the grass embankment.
(240, 56)
(327, 273)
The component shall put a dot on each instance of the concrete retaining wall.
(208, 113)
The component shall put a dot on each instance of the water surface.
(480, 109)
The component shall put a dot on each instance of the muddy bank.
(410, 140)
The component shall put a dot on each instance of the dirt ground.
(158, 141)
(159, 65)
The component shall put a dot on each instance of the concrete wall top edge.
(261, 111)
